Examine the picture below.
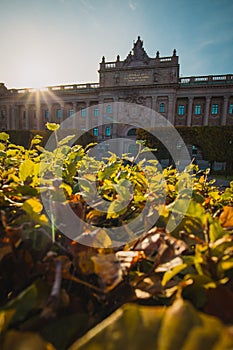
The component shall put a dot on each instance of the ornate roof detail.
(139, 54)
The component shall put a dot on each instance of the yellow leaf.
(5, 318)
(226, 217)
(32, 205)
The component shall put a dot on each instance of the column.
(154, 111)
(88, 122)
(171, 109)
(74, 117)
(8, 117)
(100, 119)
(224, 112)
(51, 117)
(114, 117)
(190, 105)
(13, 117)
(62, 112)
(207, 110)
(38, 117)
(27, 117)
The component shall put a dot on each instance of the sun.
(36, 75)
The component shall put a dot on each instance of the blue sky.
(53, 42)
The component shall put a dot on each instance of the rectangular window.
(83, 112)
(109, 109)
(71, 112)
(96, 112)
(197, 109)
(231, 108)
(180, 110)
(214, 109)
(108, 131)
(96, 132)
(46, 114)
(162, 107)
(59, 113)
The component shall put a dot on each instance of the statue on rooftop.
(139, 54)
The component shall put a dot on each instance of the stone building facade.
(154, 82)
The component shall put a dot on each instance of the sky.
(57, 42)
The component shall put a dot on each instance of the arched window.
(131, 132)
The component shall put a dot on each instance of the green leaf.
(172, 273)
(57, 332)
(26, 169)
(32, 298)
(86, 186)
(115, 209)
(4, 136)
(189, 208)
(122, 188)
(129, 327)
(147, 149)
(215, 229)
(15, 340)
(3, 154)
(65, 140)
(109, 170)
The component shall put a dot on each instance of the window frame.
(96, 131)
(58, 113)
(109, 109)
(108, 132)
(162, 107)
(83, 112)
(46, 114)
(197, 109)
(215, 109)
(180, 110)
(96, 112)
(231, 108)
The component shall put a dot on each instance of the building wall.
(152, 82)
